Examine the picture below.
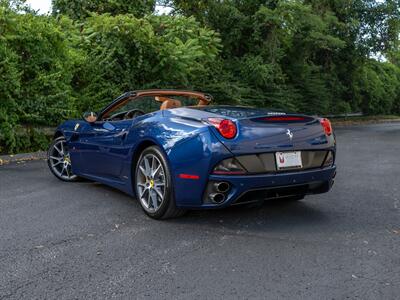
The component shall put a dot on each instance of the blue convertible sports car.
(173, 151)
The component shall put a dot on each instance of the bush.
(52, 69)
(377, 88)
(35, 73)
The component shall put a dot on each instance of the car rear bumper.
(250, 188)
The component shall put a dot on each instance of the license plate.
(288, 160)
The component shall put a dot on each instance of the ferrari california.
(173, 151)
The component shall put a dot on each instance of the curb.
(6, 159)
(344, 123)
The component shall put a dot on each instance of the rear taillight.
(326, 124)
(225, 127)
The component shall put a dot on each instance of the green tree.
(80, 9)
(302, 54)
(124, 53)
(377, 88)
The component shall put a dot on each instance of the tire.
(59, 161)
(153, 185)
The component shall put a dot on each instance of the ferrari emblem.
(289, 134)
(151, 183)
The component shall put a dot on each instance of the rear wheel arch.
(141, 147)
(58, 134)
(136, 154)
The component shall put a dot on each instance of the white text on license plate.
(288, 160)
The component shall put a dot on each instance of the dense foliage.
(310, 55)
(53, 68)
(82, 9)
(317, 56)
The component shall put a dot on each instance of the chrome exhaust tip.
(217, 197)
(222, 187)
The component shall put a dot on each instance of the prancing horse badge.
(289, 134)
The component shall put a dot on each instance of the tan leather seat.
(170, 103)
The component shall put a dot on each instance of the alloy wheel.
(151, 182)
(60, 161)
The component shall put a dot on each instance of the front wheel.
(59, 161)
(153, 185)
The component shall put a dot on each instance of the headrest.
(170, 103)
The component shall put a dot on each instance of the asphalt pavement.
(84, 240)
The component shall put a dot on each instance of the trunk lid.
(277, 133)
(261, 130)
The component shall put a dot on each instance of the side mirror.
(90, 117)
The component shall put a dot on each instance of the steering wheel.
(133, 113)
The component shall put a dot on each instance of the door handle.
(123, 135)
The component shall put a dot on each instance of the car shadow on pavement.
(273, 214)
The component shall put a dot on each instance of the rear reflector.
(225, 127)
(189, 176)
(326, 124)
